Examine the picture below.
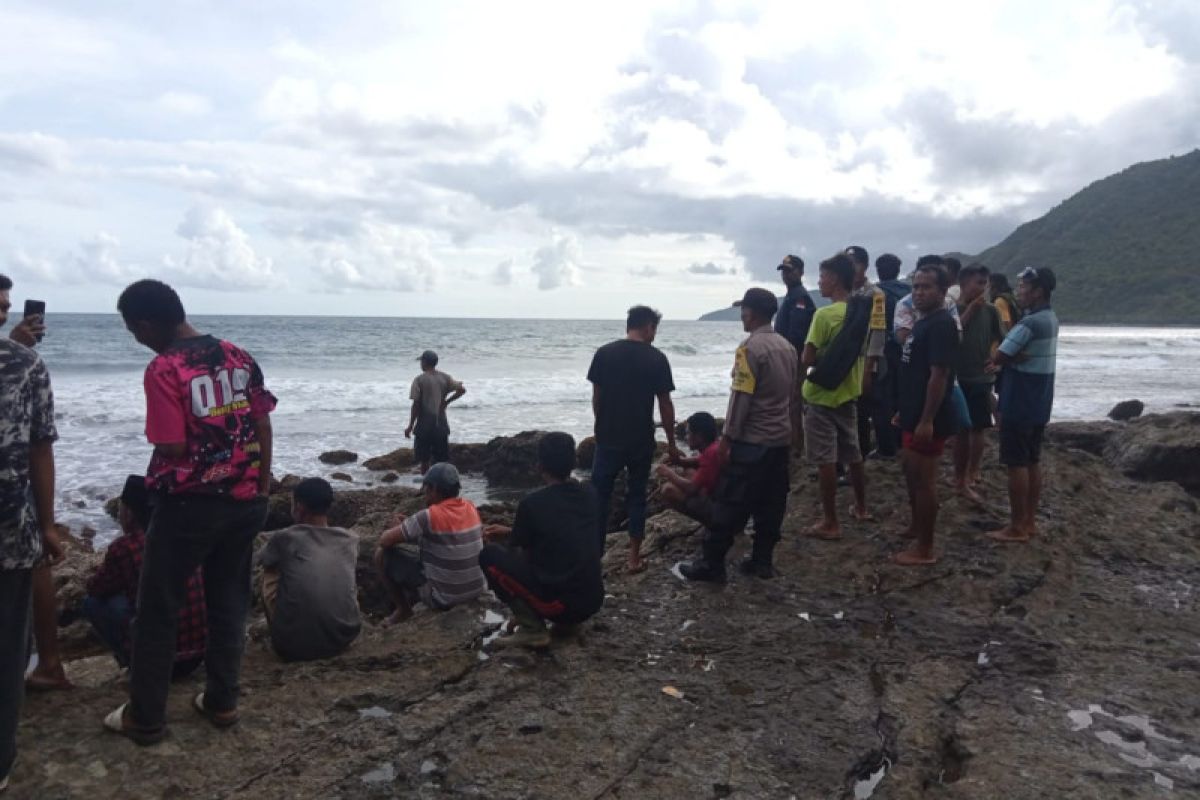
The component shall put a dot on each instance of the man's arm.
(412, 419)
(935, 392)
(685, 485)
(966, 315)
(666, 410)
(28, 331)
(459, 391)
(808, 359)
(266, 452)
(41, 482)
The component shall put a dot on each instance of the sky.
(552, 159)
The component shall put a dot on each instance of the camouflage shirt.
(26, 416)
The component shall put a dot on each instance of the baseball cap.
(858, 254)
(428, 357)
(442, 476)
(1039, 276)
(791, 262)
(761, 301)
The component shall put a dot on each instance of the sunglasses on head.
(1029, 274)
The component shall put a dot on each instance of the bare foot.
(636, 565)
(860, 514)
(398, 616)
(1009, 534)
(914, 558)
(969, 494)
(48, 680)
(823, 530)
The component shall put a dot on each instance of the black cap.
(858, 254)
(761, 301)
(428, 357)
(791, 262)
(1039, 276)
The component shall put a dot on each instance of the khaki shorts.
(831, 434)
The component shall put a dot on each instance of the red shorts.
(935, 447)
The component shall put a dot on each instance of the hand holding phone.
(34, 323)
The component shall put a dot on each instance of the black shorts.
(1020, 445)
(403, 568)
(433, 446)
(979, 404)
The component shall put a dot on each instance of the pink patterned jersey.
(207, 394)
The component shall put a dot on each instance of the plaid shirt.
(120, 574)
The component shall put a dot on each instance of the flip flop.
(38, 683)
(144, 737)
(219, 719)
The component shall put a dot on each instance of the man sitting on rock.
(443, 570)
(308, 585)
(550, 570)
(693, 495)
(112, 592)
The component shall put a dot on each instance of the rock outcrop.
(337, 458)
(1127, 410)
(1157, 447)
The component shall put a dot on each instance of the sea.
(343, 383)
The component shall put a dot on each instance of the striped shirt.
(450, 535)
(1027, 391)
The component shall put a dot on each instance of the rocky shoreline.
(1063, 668)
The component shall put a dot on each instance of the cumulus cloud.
(26, 152)
(709, 268)
(219, 255)
(502, 275)
(378, 256)
(557, 264)
(98, 261)
(644, 271)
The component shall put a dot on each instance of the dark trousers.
(511, 577)
(187, 532)
(110, 618)
(753, 484)
(16, 597)
(606, 465)
(886, 396)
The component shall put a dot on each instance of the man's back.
(430, 390)
(206, 393)
(316, 609)
(765, 372)
(629, 375)
(27, 416)
(556, 525)
(827, 323)
(450, 534)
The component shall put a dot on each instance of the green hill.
(1125, 249)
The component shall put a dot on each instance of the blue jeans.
(110, 618)
(606, 466)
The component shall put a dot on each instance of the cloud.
(502, 275)
(709, 268)
(97, 260)
(219, 255)
(27, 152)
(378, 256)
(557, 264)
(184, 104)
(644, 271)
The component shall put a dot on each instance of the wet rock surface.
(1158, 447)
(1127, 410)
(337, 458)
(1066, 667)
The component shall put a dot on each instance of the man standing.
(867, 292)
(754, 445)
(27, 534)
(208, 415)
(550, 570)
(887, 383)
(627, 375)
(792, 323)
(830, 428)
(927, 413)
(308, 584)
(981, 334)
(431, 392)
(1027, 356)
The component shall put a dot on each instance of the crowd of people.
(919, 366)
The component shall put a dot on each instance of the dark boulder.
(468, 457)
(1091, 437)
(512, 460)
(395, 461)
(1159, 447)
(341, 476)
(337, 458)
(1127, 410)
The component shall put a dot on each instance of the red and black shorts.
(511, 577)
(934, 447)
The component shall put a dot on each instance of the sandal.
(119, 723)
(219, 719)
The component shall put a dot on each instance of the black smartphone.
(36, 308)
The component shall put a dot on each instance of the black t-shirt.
(630, 375)
(934, 343)
(556, 526)
(795, 317)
